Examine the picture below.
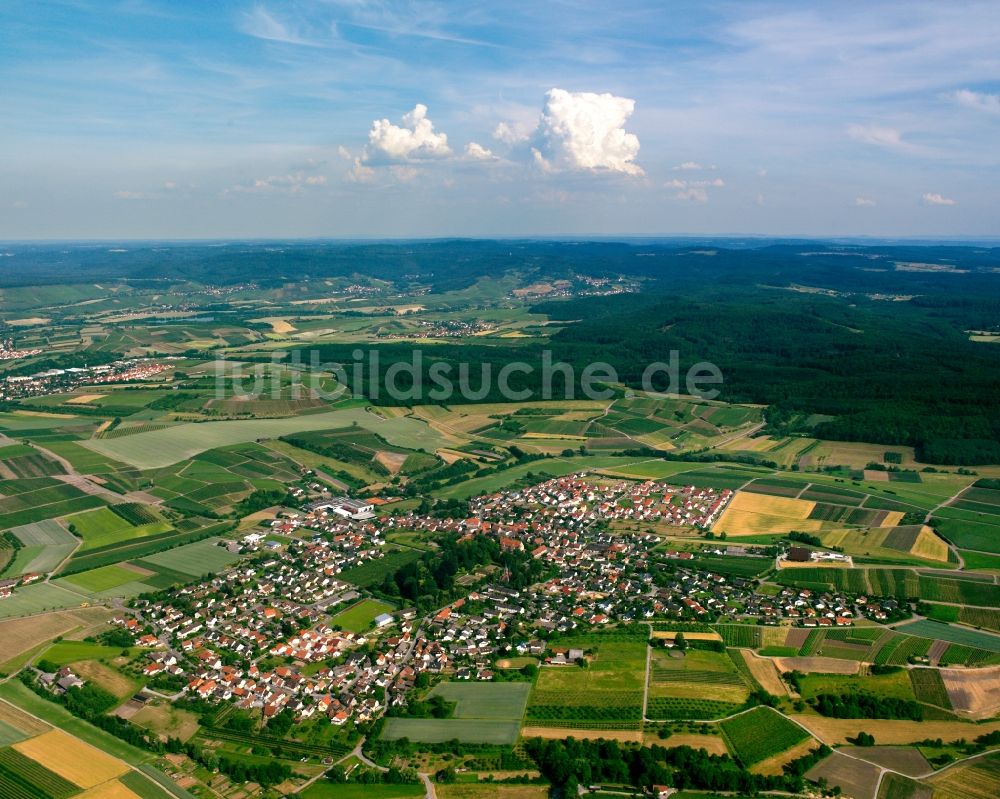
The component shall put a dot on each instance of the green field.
(956, 635)
(484, 713)
(159, 448)
(102, 579)
(37, 598)
(21, 776)
(331, 790)
(46, 545)
(485, 700)
(23, 697)
(359, 617)
(374, 571)
(201, 557)
(609, 690)
(103, 527)
(760, 733)
(488, 731)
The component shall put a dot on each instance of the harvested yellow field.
(29, 321)
(974, 691)
(22, 635)
(973, 779)
(663, 635)
(891, 731)
(19, 720)
(280, 325)
(749, 514)
(111, 680)
(393, 461)
(772, 767)
(83, 399)
(71, 758)
(109, 790)
(588, 735)
(929, 546)
(764, 672)
(818, 665)
(554, 436)
(892, 519)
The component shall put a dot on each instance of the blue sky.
(154, 119)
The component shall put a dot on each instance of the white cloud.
(933, 198)
(877, 135)
(169, 185)
(864, 202)
(344, 153)
(292, 183)
(414, 139)
(586, 131)
(512, 133)
(262, 24)
(360, 173)
(691, 166)
(695, 191)
(476, 152)
(980, 101)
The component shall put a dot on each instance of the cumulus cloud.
(695, 191)
(512, 133)
(476, 152)
(414, 139)
(586, 131)
(933, 198)
(864, 202)
(980, 101)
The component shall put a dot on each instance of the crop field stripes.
(706, 677)
(22, 776)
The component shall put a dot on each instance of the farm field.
(201, 557)
(974, 779)
(329, 790)
(39, 597)
(699, 684)
(607, 693)
(72, 759)
(484, 713)
(103, 527)
(975, 692)
(759, 734)
(46, 544)
(954, 634)
(890, 732)
(856, 779)
(359, 617)
(485, 700)
(485, 731)
(751, 514)
(904, 759)
(160, 448)
(21, 636)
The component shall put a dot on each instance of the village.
(261, 635)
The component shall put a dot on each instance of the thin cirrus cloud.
(980, 101)
(864, 202)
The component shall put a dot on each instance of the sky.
(376, 118)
